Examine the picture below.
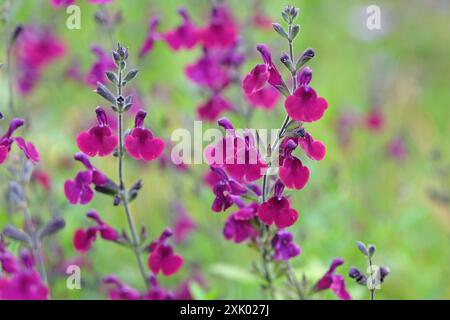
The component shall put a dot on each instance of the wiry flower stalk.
(122, 55)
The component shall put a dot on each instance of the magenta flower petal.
(165, 260)
(256, 79)
(283, 246)
(293, 174)
(98, 140)
(213, 108)
(305, 105)
(222, 31)
(314, 149)
(3, 154)
(152, 36)
(265, 98)
(338, 287)
(28, 149)
(277, 211)
(83, 239)
(327, 279)
(79, 190)
(239, 227)
(186, 35)
(141, 145)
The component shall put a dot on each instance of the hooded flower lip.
(184, 36)
(99, 140)
(239, 227)
(275, 78)
(304, 104)
(332, 281)
(283, 246)
(256, 79)
(152, 36)
(162, 256)
(140, 144)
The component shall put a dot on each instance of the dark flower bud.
(304, 77)
(104, 92)
(27, 171)
(101, 17)
(1, 114)
(112, 77)
(384, 272)
(280, 30)
(130, 75)
(16, 33)
(122, 52)
(143, 235)
(371, 249)
(298, 133)
(56, 224)
(16, 195)
(307, 55)
(120, 101)
(294, 32)
(290, 13)
(362, 247)
(109, 188)
(287, 62)
(128, 103)
(134, 190)
(16, 234)
(360, 278)
(278, 189)
(27, 258)
(117, 201)
(225, 123)
(116, 57)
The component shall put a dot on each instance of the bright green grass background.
(354, 194)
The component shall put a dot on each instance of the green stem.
(372, 285)
(124, 195)
(36, 247)
(265, 260)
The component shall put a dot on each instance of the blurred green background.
(358, 192)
